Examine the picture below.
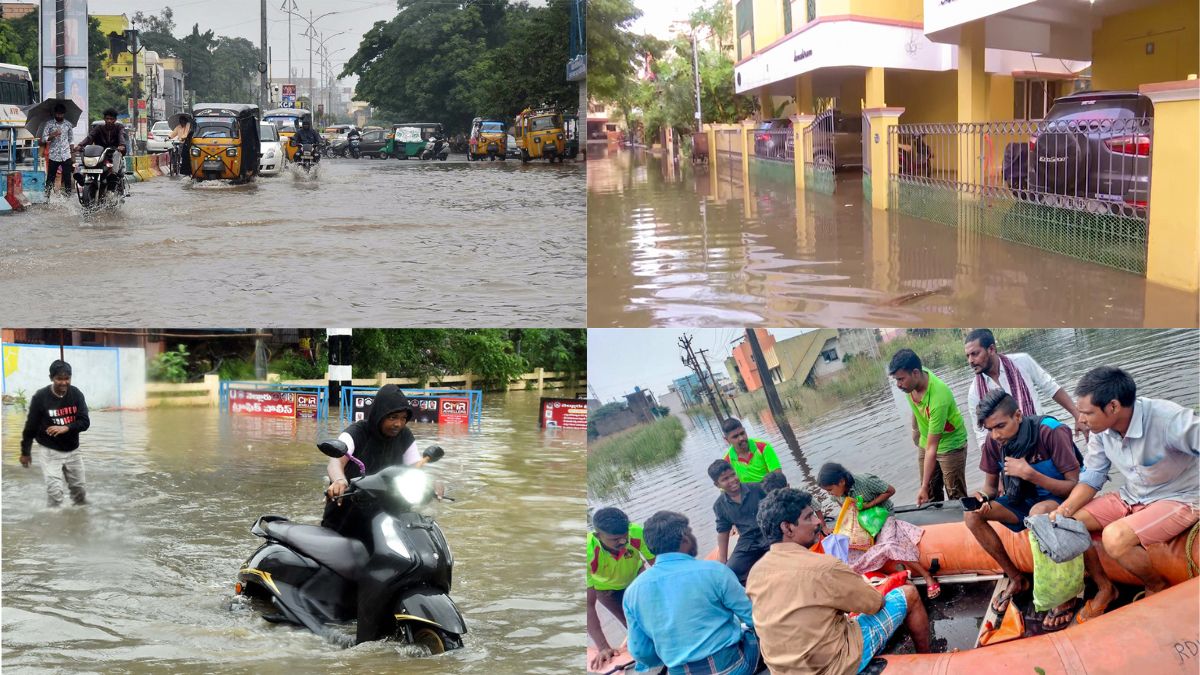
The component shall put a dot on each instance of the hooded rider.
(381, 440)
(306, 135)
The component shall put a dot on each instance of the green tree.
(611, 47)
(18, 43)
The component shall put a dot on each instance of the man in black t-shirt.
(57, 415)
(737, 507)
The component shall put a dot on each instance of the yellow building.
(982, 62)
(122, 66)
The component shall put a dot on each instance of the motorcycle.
(399, 588)
(307, 157)
(915, 158)
(436, 148)
(97, 178)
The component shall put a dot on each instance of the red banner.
(454, 411)
(262, 403)
(563, 413)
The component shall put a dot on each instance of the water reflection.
(141, 580)
(871, 433)
(704, 246)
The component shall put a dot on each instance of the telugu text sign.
(262, 403)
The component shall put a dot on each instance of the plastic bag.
(838, 546)
(871, 519)
(847, 524)
(1053, 583)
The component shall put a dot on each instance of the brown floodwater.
(677, 246)
(141, 580)
(361, 243)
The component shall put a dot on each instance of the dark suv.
(1093, 152)
(774, 139)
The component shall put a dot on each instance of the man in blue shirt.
(689, 615)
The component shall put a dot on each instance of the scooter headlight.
(412, 486)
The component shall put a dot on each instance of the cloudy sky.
(620, 359)
(657, 15)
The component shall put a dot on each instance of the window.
(812, 10)
(1032, 98)
(745, 28)
(829, 355)
(787, 17)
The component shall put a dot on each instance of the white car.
(270, 162)
(157, 141)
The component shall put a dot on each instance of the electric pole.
(132, 35)
(696, 73)
(263, 61)
(712, 378)
(773, 402)
(689, 360)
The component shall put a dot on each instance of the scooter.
(97, 180)
(355, 144)
(436, 148)
(399, 588)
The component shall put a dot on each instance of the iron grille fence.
(1079, 187)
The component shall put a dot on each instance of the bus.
(16, 94)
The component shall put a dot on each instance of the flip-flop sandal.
(1079, 617)
(933, 590)
(1002, 602)
(1058, 613)
(1138, 596)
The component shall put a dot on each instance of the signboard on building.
(427, 409)
(262, 403)
(563, 413)
(288, 96)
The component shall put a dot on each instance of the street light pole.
(309, 33)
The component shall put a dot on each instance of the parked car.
(156, 140)
(373, 142)
(511, 150)
(271, 162)
(1093, 152)
(774, 139)
(837, 142)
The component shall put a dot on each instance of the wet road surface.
(451, 243)
(142, 579)
(702, 247)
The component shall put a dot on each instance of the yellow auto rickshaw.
(489, 140)
(224, 142)
(539, 133)
(287, 120)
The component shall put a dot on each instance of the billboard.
(563, 413)
(280, 404)
(307, 406)
(64, 54)
(428, 409)
(288, 96)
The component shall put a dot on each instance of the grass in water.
(613, 460)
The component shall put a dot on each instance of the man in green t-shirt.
(750, 458)
(938, 429)
(616, 552)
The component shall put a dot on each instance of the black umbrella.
(38, 115)
(178, 119)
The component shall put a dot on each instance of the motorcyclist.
(306, 135)
(109, 134)
(381, 440)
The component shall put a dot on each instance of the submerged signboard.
(263, 403)
(563, 413)
(428, 409)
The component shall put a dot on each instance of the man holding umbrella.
(58, 134)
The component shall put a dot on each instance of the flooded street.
(429, 243)
(871, 434)
(702, 247)
(141, 580)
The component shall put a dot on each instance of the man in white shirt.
(1017, 374)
